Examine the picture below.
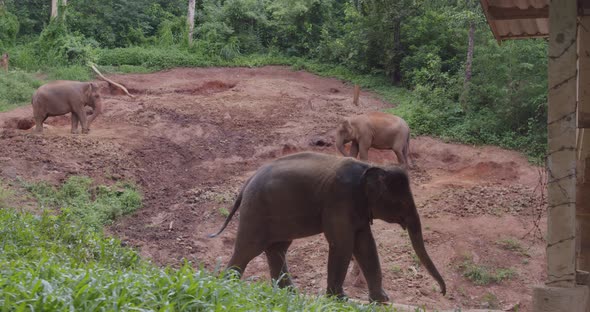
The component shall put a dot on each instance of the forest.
(436, 59)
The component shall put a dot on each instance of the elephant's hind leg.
(277, 262)
(244, 252)
(75, 124)
(39, 120)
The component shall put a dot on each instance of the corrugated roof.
(516, 19)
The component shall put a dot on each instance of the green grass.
(512, 245)
(482, 275)
(61, 261)
(94, 206)
(6, 194)
(16, 88)
(223, 211)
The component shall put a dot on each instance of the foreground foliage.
(60, 261)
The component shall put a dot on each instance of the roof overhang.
(517, 19)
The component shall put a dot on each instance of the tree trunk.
(191, 21)
(469, 52)
(396, 75)
(53, 8)
(468, 63)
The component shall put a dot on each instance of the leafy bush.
(9, 28)
(482, 275)
(58, 46)
(16, 88)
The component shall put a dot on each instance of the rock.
(319, 141)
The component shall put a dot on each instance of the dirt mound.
(19, 123)
(191, 137)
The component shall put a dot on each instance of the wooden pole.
(583, 147)
(357, 92)
(561, 160)
(4, 61)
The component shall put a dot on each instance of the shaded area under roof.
(516, 19)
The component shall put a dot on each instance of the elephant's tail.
(233, 211)
(406, 150)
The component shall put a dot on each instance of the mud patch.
(19, 123)
(485, 199)
(209, 87)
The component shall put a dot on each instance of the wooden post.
(583, 147)
(4, 61)
(357, 92)
(561, 161)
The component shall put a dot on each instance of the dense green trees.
(417, 44)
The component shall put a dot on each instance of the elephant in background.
(378, 130)
(64, 96)
(310, 193)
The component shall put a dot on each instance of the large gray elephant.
(310, 193)
(378, 130)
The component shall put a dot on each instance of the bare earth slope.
(191, 137)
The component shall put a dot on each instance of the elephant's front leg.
(75, 124)
(354, 149)
(365, 253)
(39, 123)
(364, 145)
(81, 113)
(338, 259)
(276, 255)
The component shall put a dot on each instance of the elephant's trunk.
(340, 144)
(97, 110)
(415, 232)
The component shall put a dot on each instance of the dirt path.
(192, 136)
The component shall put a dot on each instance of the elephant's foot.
(76, 131)
(378, 296)
(85, 131)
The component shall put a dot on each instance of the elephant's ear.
(348, 125)
(88, 89)
(374, 187)
(373, 182)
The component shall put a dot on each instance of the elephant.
(378, 130)
(309, 193)
(63, 96)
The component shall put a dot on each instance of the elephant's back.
(307, 172)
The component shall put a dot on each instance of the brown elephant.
(310, 193)
(64, 96)
(61, 97)
(378, 130)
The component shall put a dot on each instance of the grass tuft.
(482, 275)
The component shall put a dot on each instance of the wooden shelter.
(566, 24)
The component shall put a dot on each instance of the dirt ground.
(191, 137)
